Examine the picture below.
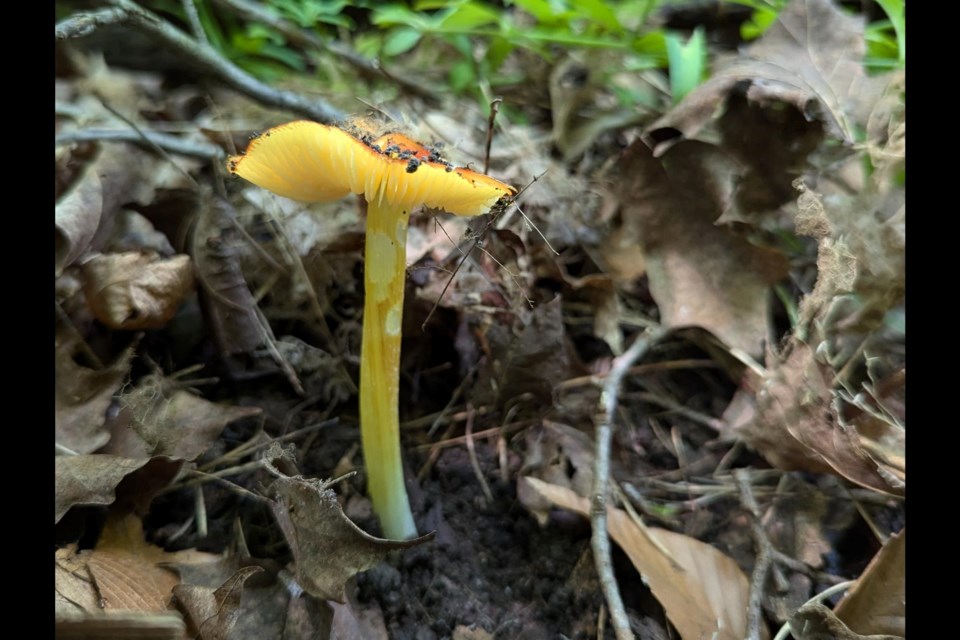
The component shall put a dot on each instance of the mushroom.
(311, 162)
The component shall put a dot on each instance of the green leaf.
(544, 12)
(687, 62)
(400, 40)
(469, 15)
(393, 14)
(598, 12)
(462, 75)
(497, 52)
(894, 11)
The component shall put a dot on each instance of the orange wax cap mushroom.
(313, 162)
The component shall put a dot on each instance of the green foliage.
(688, 61)
(475, 38)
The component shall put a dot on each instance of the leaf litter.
(684, 231)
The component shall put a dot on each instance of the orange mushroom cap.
(313, 162)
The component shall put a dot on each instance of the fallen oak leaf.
(328, 548)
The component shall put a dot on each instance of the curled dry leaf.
(89, 479)
(797, 426)
(876, 604)
(85, 214)
(809, 58)
(700, 274)
(703, 591)
(136, 290)
(82, 395)
(328, 549)
(159, 417)
(213, 613)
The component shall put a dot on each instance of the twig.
(820, 597)
(494, 108)
(764, 555)
(190, 8)
(165, 141)
(600, 542)
(83, 24)
(202, 57)
(474, 461)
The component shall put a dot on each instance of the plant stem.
(384, 275)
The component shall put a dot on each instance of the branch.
(202, 57)
(761, 566)
(600, 542)
(167, 142)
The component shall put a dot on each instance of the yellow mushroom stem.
(385, 273)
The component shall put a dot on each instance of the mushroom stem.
(384, 276)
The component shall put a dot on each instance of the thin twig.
(600, 542)
(761, 566)
(474, 461)
(190, 8)
(203, 58)
(165, 141)
(494, 108)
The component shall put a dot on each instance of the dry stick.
(600, 542)
(764, 555)
(165, 141)
(494, 108)
(83, 24)
(195, 25)
(202, 57)
(474, 461)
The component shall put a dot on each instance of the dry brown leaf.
(82, 395)
(136, 290)
(876, 604)
(159, 417)
(86, 214)
(328, 549)
(704, 594)
(89, 479)
(72, 584)
(463, 632)
(797, 426)
(809, 58)
(816, 622)
(213, 613)
(77, 218)
(125, 572)
(700, 274)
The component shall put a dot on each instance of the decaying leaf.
(816, 622)
(159, 417)
(124, 572)
(876, 604)
(703, 592)
(560, 455)
(800, 422)
(122, 625)
(213, 613)
(328, 549)
(797, 425)
(700, 274)
(137, 289)
(77, 218)
(89, 479)
(82, 395)
(810, 59)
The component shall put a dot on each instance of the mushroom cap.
(313, 162)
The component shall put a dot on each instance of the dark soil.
(490, 565)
